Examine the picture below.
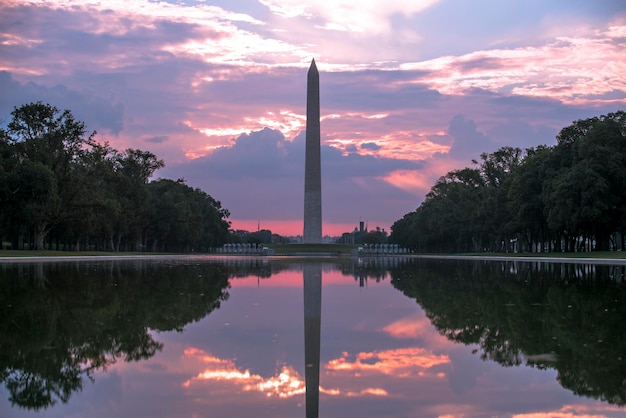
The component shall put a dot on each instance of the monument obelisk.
(312, 167)
(312, 330)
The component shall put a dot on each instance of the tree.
(35, 198)
(497, 170)
(183, 218)
(45, 143)
(448, 218)
(570, 197)
(132, 170)
(377, 236)
(585, 196)
(56, 183)
(525, 198)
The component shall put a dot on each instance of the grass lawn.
(279, 249)
(287, 249)
(593, 254)
(51, 253)
(291, 249)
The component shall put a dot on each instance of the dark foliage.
(569, 197)
(566, 317)
(63, 322)
(60, 189)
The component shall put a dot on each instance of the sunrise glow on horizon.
(409, 89)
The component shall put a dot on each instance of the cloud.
(98, 113)
(266, 154)
(157, 139)
(118, 33)
(261, 154)
(521, 134)
(387, 89)
(285, 383)
(370, 17)
(263, 173)
(411, 91)
(568, 68)
(411, 362)
(468, 142)
(371, 146)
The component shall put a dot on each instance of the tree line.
(64, 329)
(516, 313)
(62, 189)
(567, 197)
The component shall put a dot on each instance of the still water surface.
(209, 337)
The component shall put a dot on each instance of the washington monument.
(312, 170)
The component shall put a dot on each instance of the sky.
(409, 89)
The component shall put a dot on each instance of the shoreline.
(528, 259)
(91, 257)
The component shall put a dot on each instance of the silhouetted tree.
(58, 184)
(568, 197)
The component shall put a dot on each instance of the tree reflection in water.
(63, 321)
(569, 317)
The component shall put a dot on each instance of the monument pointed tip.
(313, 67)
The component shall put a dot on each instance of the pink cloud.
(371, 16)
(574, 411)
(285, 383)
(568, 69)
(409, 327)
(185, 81)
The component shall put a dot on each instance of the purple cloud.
(186, 80)
(96, 111)
(370, 146)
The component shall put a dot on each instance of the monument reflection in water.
(224, 337)
(312, 327)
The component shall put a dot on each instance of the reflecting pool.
(272, 337)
